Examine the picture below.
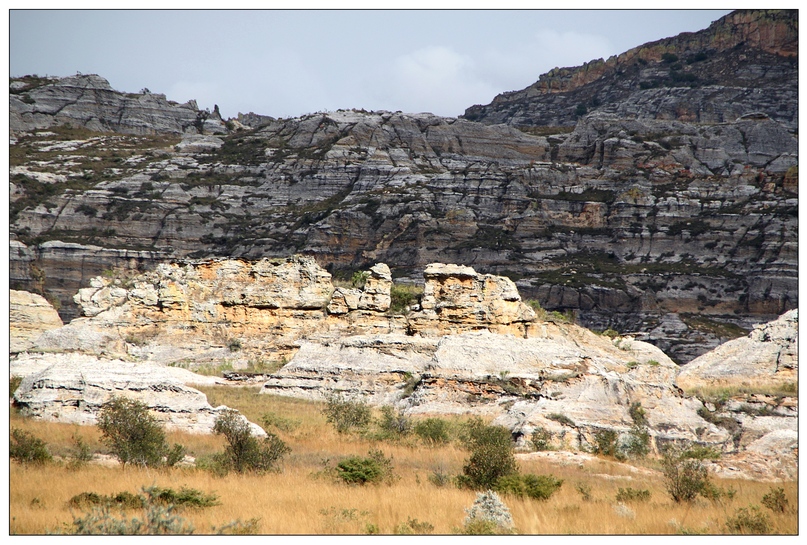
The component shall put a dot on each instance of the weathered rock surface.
(30, 315)
(672, 202)
(73, 388)
(89, 101)
(767, 357)
(710, 76)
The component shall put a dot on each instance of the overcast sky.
(289, 63)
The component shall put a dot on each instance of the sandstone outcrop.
(72, 388)
(30, 315)
(88, 101)
(767, 357)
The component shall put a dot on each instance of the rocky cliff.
(712, 76)
(681, 228)
(466, 344)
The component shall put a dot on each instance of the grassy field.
(302, 499)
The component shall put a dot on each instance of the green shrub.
(541, 439)
(403, 296)
(433, 431)
(13, 383)
(632, 494)
(638, 444)
(134, 436)
(491, 455)
(585, 491)
(684, 478)
(81, 455)
(346, 414)
(374, 469)
(414, 527)
(394, 424)
(440, 478)
(700, 452)
(638, 414)
(27, 449)
(749, 521)
(185, 497)
(244, 452)
(775, 500)
(606, 442)
(158, 519)
(537, 487)
(561, 419)
(272, 420)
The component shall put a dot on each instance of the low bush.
(541, 439)
(606, 443)
(158, 519)
(394, 424)
(27, 449)
(487, 516)
(537, 487)
(373, 469)
(775, 500)
(414, 527)
(346, 414)
(432, 431)
(561, 419)
(245, 452)
(749, 521)
(632, 495)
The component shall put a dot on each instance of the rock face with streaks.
(88, 101)
(30, 315)
(767, 357)
(74, 387)
(654, 193)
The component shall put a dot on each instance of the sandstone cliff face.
(670, 213)
(30, 315)
(710, 76)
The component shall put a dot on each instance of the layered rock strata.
(73, 388)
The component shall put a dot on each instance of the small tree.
(244, 451)
(346, 414)
(685, 478)
(491, 455)
(134, 436)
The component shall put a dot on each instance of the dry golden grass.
(300, 500)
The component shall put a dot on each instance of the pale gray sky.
(288, 63)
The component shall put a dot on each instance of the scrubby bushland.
(134, 436)
(245, 452)
(158, 519)
(491, 455)
(346, 414)
(537, 487)
(27, 449)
